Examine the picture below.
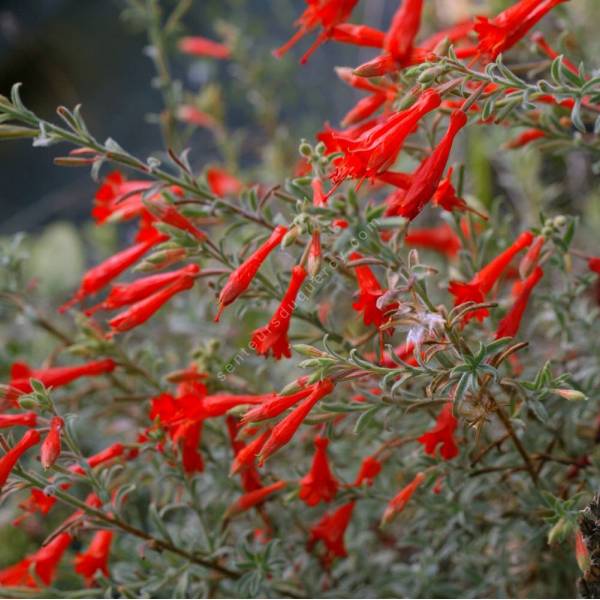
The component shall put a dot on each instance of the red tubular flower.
(582, 554)
(201, 46)
(118, 199)
(273, 337)
(501, 33)
(397, 179)
(358, 35)
(222, 183)
(55, 376)
(108, 454)
(440, 238)
(28, 419)
(122, 294)
(319, 13)
(141, 311)
(219, 404)
(594, 264)
(319, 198)
(331, 530)
(530, 260)
(246, 456)
(364, 108)
(167, 213)
(95, 558)
(442, 433)
(369, 293)
(456, 33)
(44, 562)
(403, 30)
(313, 263)
(189, 435)
(101, 275)
(188, 113)
(319, 484)
(276, 405)
(397, 503)
(50, 449)
(374, 150)
(251, 499)
(484, 280)
(284, 431)
(10, 459)
(445, 196)
(240, 279)
(544, 46)
(509, 325)
(426, 178)
(369, 469)
(528, 136)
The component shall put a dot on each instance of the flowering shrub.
(366, 380)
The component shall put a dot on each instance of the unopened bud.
(290, 237)
(442, 47)
(428, 75)
(573, 395)
(307, 350)
(559, 531)
(305, 149)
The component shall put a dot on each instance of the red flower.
(446, 197)
(241, 277)
(27, 419)
(122, 294)
(246, 455)
(532, 256)
(319, 484)
(501, 33)
(166, 212)
(284, 431)
(273, 337)
(528, 136)
(188, 113)
(426, 178)
(484, 280)
(331, 530)
(10, 459)
(441, 239)
(201, 46)
(44, 562)
(101, 275)
(95, 558)
(319, 13)
(374, 150)
(222, 183)
(142, 310)
(313, 263)
(594, 264)
(55, 376)
(398, 502)
(274, 406)
(357, 35)
(50, 449)
(369, 469)
(118, 199)
(544, 46)
(319, 198)
(403, 30)
(509, 325)
(251, 499)
(442, 434)
(369, 293)
(111, 452)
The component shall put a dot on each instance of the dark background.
(67, 52)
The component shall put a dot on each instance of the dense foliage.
(375, 378)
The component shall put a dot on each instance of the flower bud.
(574, 395)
